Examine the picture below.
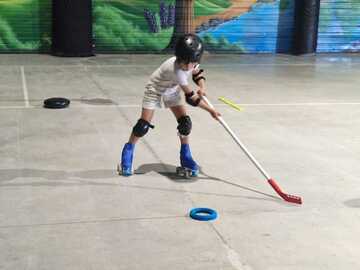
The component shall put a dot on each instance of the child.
(166, 84)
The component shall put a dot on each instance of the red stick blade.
(286, 197)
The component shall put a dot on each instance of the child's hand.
(201, 92)
(215, 114)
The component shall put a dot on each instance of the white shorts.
(154, 99)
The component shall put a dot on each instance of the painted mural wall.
(339, 26)
(25, 25)
(246, 26)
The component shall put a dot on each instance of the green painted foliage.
(9, 40)
(120, 24)
(114, 32)
(348, 13)
(25, 25)
(284, 4)
(222, 44)
(133, 11)
(210, 7)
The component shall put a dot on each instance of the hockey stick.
(274, 185)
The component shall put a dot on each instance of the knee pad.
(141, 128)
(185, 125)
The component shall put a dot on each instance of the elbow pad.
(189, 100)
(198, 76)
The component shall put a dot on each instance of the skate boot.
(125, 168)
(188, 168)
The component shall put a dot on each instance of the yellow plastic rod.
(231, 104)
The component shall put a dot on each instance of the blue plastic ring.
(198, 214)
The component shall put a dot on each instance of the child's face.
(187, 66)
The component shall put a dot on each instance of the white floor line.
(13, 107)
(299, 104)
(234, 259)
(232, 255)
(25, 90)
(96, 65)
(251, 104)
(138, 106)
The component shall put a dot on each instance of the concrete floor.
(62, 206)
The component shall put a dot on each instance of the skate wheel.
(180, 171)
(187, 174)
(118, 169)
(203, 214)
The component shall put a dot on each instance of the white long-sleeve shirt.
(169, 76)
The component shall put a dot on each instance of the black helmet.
(189, 48)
